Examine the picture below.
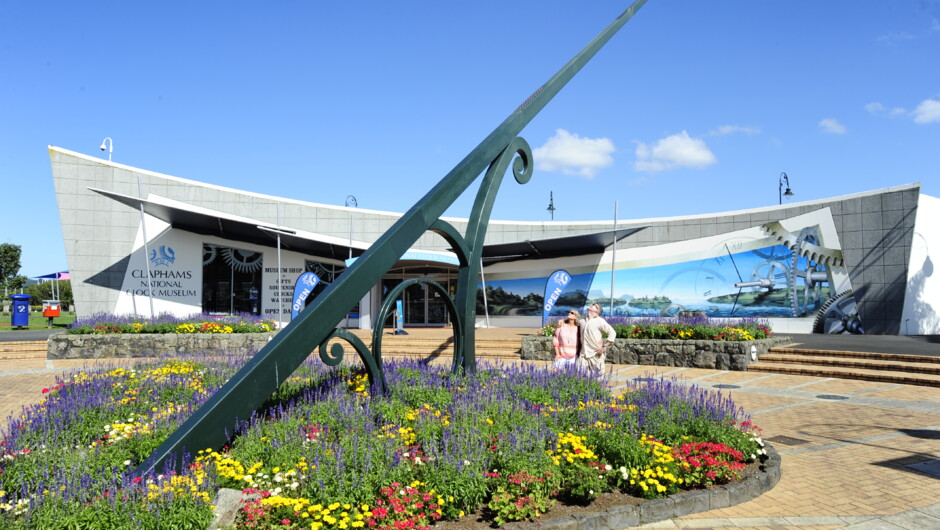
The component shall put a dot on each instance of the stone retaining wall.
(64, 346)
(713, 355)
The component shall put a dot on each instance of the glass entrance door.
(422, 305)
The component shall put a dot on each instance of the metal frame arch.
(372, 360)
(387, 307)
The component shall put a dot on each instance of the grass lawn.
(37, 321)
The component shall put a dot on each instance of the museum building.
(140, 242)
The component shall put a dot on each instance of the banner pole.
(613, 262)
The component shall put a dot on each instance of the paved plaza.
(855, 454)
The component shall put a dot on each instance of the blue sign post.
(399, 319)
(554, 287)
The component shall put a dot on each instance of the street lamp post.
(108, 144)
(780, 192)
(350, 201)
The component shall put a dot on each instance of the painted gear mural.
(839, 315)
(807, 295)
(814, 275)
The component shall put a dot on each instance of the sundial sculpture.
(253, 384)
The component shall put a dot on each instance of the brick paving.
(851, 472)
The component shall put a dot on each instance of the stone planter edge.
(712, 355)
(130, 345)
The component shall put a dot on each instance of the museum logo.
(162, 256)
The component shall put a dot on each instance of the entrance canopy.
(557, 247)
(214, 223)
(205, 221)
(64, 275)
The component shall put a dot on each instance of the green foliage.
(9, 266)
(43, 291)
(521, 496)
(548, 330)
(512, 440)
(743, 331)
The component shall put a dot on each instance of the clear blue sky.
(694, 107)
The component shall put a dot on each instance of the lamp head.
(103, 147)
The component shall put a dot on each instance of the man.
(593, 343)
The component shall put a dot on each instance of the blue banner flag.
(302, 289)
(554, 287)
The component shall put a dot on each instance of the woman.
(567, 340)
(597, 335)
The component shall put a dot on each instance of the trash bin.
(50, 308)
(19, 316)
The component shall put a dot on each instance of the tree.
(9, 266)
(43, 291)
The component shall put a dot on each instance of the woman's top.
(566, 341)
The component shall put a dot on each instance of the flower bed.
(682, 342)
(108, 324)
(674, 328)
(105, 335)
(710, 355)
(327, 453)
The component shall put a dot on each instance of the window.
(231, 280)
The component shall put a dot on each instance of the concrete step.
(926, 359)
(867, 363)
(883, 376)
(879, 367)
(27, 349)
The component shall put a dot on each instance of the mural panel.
(768, 271)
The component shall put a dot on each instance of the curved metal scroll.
(251, 386)
(372, 360)
(387, 308)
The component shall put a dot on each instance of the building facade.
(139, 242)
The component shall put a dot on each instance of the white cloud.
(878, 109)
(573, 155)
(831, 126)
(927, 112)
(730, 129)
(671, 152)
(895, 38)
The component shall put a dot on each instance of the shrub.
(329, 451)
(105, 323)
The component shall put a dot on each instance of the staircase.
(880, 367)
(439, 346)
(26, 349)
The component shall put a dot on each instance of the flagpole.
(613, 262)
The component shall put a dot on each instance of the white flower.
(608, 467)
(127, 462)
(466, 462)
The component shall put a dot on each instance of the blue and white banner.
(302, 289)
(399, 317)
(554, 287)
